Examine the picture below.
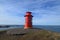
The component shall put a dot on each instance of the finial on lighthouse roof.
(28, 13)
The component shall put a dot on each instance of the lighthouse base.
(27, 27)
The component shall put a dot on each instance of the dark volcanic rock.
(22, 31)
(4, 26)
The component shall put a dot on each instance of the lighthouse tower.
(28, 20)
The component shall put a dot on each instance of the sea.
(54, 28)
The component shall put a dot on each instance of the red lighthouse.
(28, 20)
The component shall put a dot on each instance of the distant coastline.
(55, 28)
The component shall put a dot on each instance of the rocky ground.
(29, 34)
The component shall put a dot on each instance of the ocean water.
(55, 28)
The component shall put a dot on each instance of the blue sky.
(45, 12)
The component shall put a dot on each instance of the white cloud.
(11, 20)
(47, 20)
(13, 11)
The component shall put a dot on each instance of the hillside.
(29, 34)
